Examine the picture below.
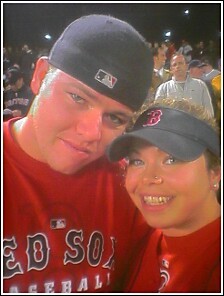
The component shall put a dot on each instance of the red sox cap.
(176, 132)
(108, 55)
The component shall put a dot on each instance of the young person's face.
(74, 124)
(172, 195)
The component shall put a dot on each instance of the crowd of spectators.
(206, 53)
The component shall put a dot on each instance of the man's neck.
(180, 78)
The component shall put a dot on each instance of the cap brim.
(202, 65)
(174, 144)
(7, 81)
(11, 82)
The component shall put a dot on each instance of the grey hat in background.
(176, 132)
(196, 64)
(108, 55)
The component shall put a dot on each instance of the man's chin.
(72, 169)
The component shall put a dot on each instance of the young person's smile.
(169, 193)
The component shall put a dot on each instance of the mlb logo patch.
(57, 223)
(106, 78)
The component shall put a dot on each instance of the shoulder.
(216, 79)
(7, 126)
(167, 84)
(106, 170)
(166, 71)
(8, 93)
(214, 281)
(196, 81)
(29, 91)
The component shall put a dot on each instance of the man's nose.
(90, 125)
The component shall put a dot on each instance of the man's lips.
(76, 147)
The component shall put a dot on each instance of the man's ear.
(40, 71)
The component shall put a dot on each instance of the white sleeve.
(161, 92)
(207, 100)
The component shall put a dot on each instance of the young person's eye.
(77, 98)
(135, 162)
(171, 160)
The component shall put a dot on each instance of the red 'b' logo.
(154, 117)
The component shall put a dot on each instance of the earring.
(215, 185)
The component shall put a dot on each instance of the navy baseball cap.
(12, 75)
(176, 132)
(196, 64)
(108, 55)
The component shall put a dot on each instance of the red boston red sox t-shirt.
(191, 263)
(65, 233)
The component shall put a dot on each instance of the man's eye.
(117, 120)
(77, 98)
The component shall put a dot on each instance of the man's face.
(196, 72)
(73, 124)
(17, 85)
(178, 67)
(160, 59)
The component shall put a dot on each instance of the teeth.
(156, 200)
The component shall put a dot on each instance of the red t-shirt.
(65, 233)
(188, 264)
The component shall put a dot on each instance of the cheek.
(48, 113)
(108, 135)
(54, 109)
(193, 180)
(49, 123)
(131, 182)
